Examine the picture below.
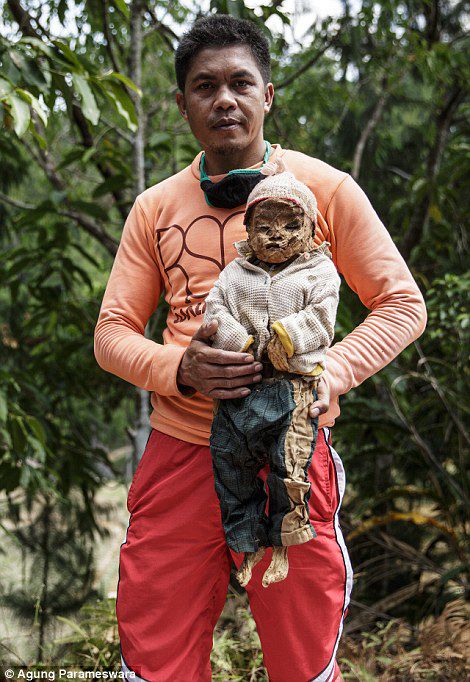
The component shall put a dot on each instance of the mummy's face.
(279, 229)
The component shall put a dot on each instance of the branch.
(437, 387)
(101, 235)
(420, 217)
(167, 34)
(366, 133)
(309, 63)
(392, 600)
(107, 35)
(426, 450)
(121, 133)
(431, 11)
(88, 142)
(16, 203)
(23, 19)
(398, 171)
(46, 162)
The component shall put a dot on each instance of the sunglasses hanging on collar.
(234, 188)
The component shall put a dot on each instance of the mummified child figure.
(278, 300)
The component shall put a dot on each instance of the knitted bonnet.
(283, 185)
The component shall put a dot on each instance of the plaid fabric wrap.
(246, 434)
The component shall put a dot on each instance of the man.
(174, 564)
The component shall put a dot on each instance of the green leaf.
(68, 54)
(25, 476)
(3, 408)
(90, 108)
(86, 156)
(160, 139)
(10, 478)
(85, 254)
(124, 79)
(37, 428)
(34, 102)
(113, 183)
(30, 70)
(41, 141)
(38, 44)
(70, 157)
(18, 436)
(20, 112)
(122, 7)
(435, 213)
(57, 196)
(122, 102)
(5, 88)
(90, 208)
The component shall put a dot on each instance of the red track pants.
(174, 571)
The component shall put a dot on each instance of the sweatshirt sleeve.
(375, 270)
(230, 334)
(131, 297)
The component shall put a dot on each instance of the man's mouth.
(227, 124)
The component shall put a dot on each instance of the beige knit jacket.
(299, 303)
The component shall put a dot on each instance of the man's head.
(280, 218)
(223, 68)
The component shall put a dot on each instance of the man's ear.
(268, 97)
(181, 104)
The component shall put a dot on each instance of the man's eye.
(242, 84)
(204, 86)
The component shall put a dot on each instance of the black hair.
(218, 30)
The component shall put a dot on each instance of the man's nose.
(224, 98)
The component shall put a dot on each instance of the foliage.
(436, 650)
(380, 92)
(392, 651)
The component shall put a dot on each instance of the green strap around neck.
(204, 176)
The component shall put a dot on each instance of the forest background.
(377, 89)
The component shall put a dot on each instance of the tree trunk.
(43, 599)
(366, 133)
(139, 434)
(420, 216)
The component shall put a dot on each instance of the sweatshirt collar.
(276, 151)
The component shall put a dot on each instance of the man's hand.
(321, 405)
(214, 372)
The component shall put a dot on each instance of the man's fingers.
(318, 407)
(222, 394)
(219, 382)
(217, 356)
(206, 330)
(219, 372)
(322, 404)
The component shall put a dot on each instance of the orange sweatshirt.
(173, 242)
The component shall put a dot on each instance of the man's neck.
(217, 164)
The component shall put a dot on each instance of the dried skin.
(278, 229)
(277, 354)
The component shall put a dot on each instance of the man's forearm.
(136, 359)
(372, 345)
(371, 264)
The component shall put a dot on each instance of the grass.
(390, 651)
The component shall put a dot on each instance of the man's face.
(225, 99)
(279, 229)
